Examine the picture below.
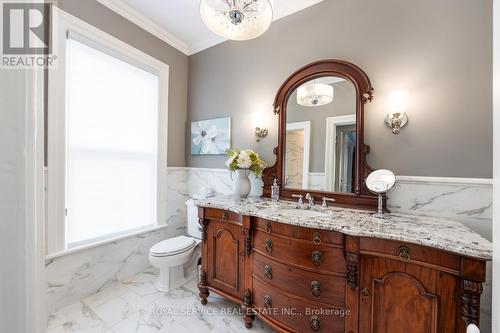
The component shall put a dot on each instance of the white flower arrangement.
(245, 159)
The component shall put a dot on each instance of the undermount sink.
(304, 213)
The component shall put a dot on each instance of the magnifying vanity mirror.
(380, 182)
(321, 149)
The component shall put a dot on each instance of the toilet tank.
(192, 220)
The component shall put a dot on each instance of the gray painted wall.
(103, 18)
(438, 50)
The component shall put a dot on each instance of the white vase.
(242, 185)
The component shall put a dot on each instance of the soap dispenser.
(275, 191)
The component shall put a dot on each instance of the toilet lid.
(173, 246)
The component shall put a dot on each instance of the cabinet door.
(225, 257)
(401, 297)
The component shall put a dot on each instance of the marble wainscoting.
(219, 181)
(468, 200)
(73, 276)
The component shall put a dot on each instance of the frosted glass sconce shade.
(397, 118)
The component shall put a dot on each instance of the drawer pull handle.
(224, 216)
(317, 238)
(268, 302)
(315, 323)
(268, 244)
(268, 272)
(317, 257)
(404, 253)
(365, 292)
(316, 288)
(268, 227)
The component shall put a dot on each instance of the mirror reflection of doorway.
(346, 150)
(340, 153)
(297, 152)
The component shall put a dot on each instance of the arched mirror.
(321, 148)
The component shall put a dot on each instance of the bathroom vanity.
(341, 270)
(336, 268)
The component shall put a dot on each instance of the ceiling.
(178, 22)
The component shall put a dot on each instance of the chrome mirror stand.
(380, 182)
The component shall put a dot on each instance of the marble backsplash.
(80, 274)
(466, 200)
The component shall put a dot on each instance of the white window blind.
(112, 123)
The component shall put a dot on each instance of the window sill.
(103, 242)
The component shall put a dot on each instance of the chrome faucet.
(310, 200)
(324, 206)
(300, 203)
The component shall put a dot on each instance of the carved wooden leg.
(248, 314)
(247, 233)
(352, 270)
(471, 299)
(203, 287)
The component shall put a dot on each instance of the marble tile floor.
(134, 305)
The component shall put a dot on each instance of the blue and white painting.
(211, 137)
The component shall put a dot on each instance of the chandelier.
(237, 19)
(315, 94)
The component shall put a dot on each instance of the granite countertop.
(438, 233)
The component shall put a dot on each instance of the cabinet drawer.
(222, 215)
(318, 287)
(410, 253)
(307, 255)
(296, 315)
(316, 236)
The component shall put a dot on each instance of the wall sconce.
(259, 122)
(397, 118)
(260, 133)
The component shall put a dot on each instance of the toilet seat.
(173, 246)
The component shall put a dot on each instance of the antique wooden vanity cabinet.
(310, 280)
(301, 279)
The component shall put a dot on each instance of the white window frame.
(56, 157)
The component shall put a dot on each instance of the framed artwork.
(211, 137)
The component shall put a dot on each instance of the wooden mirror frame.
(364, 93)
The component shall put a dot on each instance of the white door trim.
(331, 146)
(306, 127)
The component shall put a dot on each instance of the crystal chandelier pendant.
(315, 94)
(237, 19)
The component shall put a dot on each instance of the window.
(107, 140)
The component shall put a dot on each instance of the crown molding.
(201, 46)
(145, 23)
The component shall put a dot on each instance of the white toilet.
(177, 258)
